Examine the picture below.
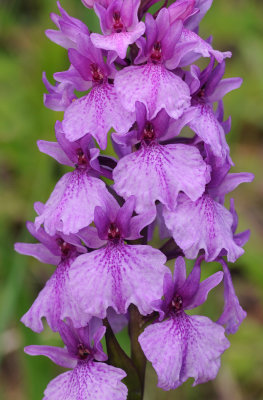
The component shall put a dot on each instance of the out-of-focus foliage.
(27, 176)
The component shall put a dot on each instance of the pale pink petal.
(58, 355)
(96, 114)
(54, 150)
(202, 47)
(39, 251)
(88, 380)
(207, 127)
(203, 224)
(72, 202)
(184, 347)
(158, 172)
(118, 42)
(233, 313)
(154, 86)
(117, 276)
(55, 303)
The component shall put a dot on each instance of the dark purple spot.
(148, 132)
(156, 54)
(65, 248)
(97, 74)
(113, 232)
(83, 351)
(82, 159)
(117, 23)
(177, 303)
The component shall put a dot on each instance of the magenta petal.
(233, 313)
(207, 226)
(154, 86)
(207, 127)
(58, 355)
(96, 114)
(202, 47)
(117, 276)
(139, 222)
(71, 205)
(118, 42)
(204, 289)
(89, 236)
(55, 303)
(88, 380)
(230, 183)
(39, 251)
(224, 87)
(159, 173)
(54, 150)
(184, 347)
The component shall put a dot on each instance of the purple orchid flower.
(152, 83)
(99, 110)
(233, 313)
(191, 12)
(172, 167)
(117, 274)
(60, 96)
(119, 24)
(70, 29)
(54, 302)
(206, 88)
(74, 198)
(90, 376)
(209, 225)
(184, 346)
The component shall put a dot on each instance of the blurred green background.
(27, 176)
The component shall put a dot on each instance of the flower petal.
(207, 127)
(54, 150)
(117, 276)
(88, 380)
(154, 86)
(233, 313)
(202, 47)
(224, 87)
(39, 251)
(158, 172)
(203, 224)
(55, 303)
(184, 347)
(58, 355)
(118, 42)
(96, 114)
(71, 205)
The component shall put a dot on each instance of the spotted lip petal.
(72, 202)
(171, 168)
(88, 380)
(207, 226)
(55, 303)
(155, 86)
(117, 276)
(96, 114)
(183, 347)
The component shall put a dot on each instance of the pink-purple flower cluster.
(137, 84)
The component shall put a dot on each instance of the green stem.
(137, 355)
(118, 358)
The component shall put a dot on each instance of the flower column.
(139, 79)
